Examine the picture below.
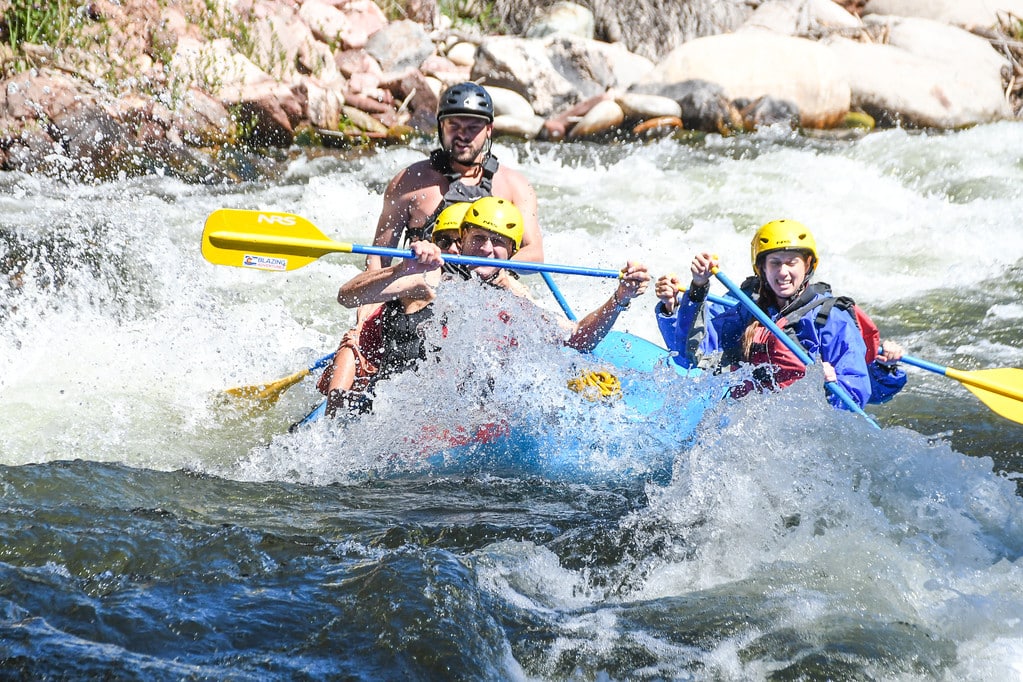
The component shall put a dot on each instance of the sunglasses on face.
(480, 236)
(444, 241)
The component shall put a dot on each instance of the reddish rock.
(360, 68)
(364, 83)
(268, 111)
(31, 151)
(28, 97)
(556, 126)
(201, 120)
(658, 127)
(364, 19)
(445, 70)
(853, 7)
(418, 100)
(371, 105)
(173, 26)
(327, 22)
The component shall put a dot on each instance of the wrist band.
(698, 292)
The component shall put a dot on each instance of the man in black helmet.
(463, 169)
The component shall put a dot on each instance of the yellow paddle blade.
(269, 393)
(264, 240)
(1000, 389)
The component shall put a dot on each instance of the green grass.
(54, 24)
(471, 14)
(51, 22)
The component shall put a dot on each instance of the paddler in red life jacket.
(784, 257)
(492, 228)
(463, 169)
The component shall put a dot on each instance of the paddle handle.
(520, 265)
(836, 388)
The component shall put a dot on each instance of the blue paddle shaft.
(748, 303)
(558, 296)
(322, 362)
(520, 265)
(908, 359)
(924, 364)
(836, 388)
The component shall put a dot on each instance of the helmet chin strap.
(489, 279)
(487, 146)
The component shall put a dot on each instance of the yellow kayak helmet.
(497, 215)
(451, 217)
(782, 235)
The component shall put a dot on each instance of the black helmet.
(466, 99)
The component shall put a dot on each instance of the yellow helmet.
(496, 215)
(451, 217)
(782, 235)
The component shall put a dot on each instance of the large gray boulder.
(563, 17)
(650, 28)
(556, 72)
(967, 13)
(753, 64)
(929, 74)
(800, 17)
(400, 45)
(523, 66)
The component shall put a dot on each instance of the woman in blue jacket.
(711, 335)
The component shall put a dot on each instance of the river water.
(152, 530)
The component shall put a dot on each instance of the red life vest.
(871, 334)
(868, 330)
(775, 365)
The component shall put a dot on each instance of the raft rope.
(597, 385)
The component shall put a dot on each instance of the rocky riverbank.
(173, 86)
